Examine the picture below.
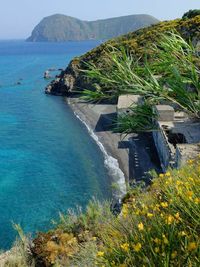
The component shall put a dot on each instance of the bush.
(191, 13)
(158, 226)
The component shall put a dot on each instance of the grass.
(139, 119)
(20, 254)
(171, 75)
(158, 226)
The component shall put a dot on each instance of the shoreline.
(128, 158)
(98, 123)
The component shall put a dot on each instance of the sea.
(48, 161)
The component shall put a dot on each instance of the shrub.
(158, 226)
(191, 13)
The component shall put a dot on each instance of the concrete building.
(127, 101)
(177, 138)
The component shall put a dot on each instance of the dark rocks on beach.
(63, 83)
(69, 80)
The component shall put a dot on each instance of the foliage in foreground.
(158, 226)
(170, 75)
(19, 255)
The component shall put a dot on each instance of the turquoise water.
(48, 161)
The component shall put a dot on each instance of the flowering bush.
(158, 226)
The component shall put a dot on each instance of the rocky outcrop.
(72, 79)
(66, 81)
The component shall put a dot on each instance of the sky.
(19, 17)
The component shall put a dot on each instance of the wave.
(111, 164)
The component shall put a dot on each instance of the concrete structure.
(127, 101)
(177, 138)
(185, 152)
(165, 112)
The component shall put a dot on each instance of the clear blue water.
(48, 162)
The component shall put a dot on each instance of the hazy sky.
(18, 17)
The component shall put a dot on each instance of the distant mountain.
(59, 28)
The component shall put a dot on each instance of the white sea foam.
(110, 163)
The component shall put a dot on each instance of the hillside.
(59, 28)
(137, 42)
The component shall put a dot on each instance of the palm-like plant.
(171, 73)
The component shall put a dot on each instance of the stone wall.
(164, 150)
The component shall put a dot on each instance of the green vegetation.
(158, 226)
(139, 119)
(19, 255)
(191, 14)
(138, 44)
(169, 73)
(59, 28)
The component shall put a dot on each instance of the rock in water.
(47, 75)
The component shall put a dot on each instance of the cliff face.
(59, 28)
(73, 79)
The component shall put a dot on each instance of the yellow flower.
(192, 246)
(179, 182)
(177, 216)
(174, 254)
(168, 174)
(141, 226)
(191, 179)
(182, 233)
(189, 194)
(165, 240)
(157, 240)
(157, 249)
(94, 238)
(164, 204)
(137, 247)
(125, 211)
(125, 247)
(161, 175)
(169, 219)
(197, 200)
(149, 214)
(100, 254)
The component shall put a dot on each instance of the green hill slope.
(137, 42)
(58, 28)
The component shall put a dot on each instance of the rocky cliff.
(73, 79)
(59, 28)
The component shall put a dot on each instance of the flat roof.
(125, 101)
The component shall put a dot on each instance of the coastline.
(97, 120)
(128, 158)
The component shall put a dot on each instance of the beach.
(98, 119)
(134, 154)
